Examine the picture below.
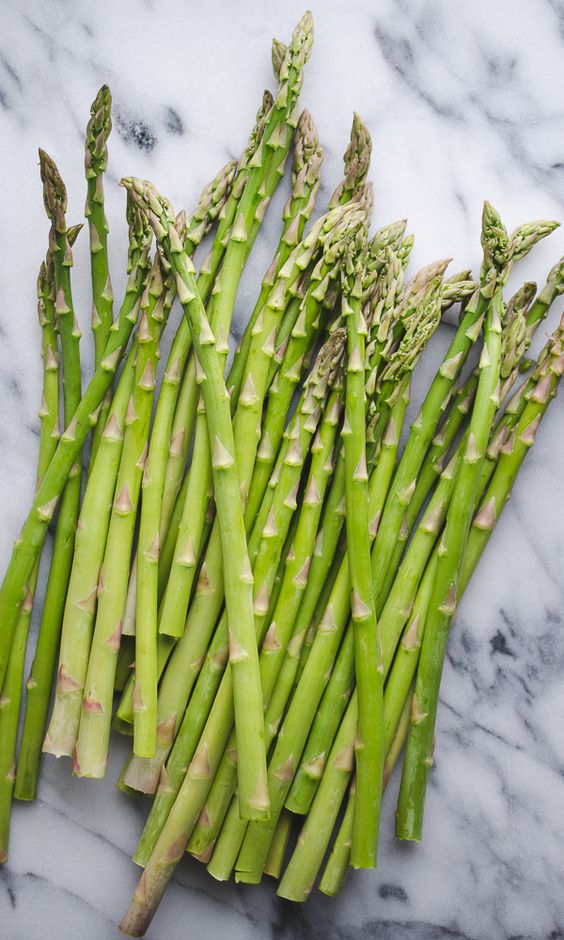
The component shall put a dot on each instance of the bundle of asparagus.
(251, 562)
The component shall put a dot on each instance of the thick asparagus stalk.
(281, 622)
(11, 691)
(307, 695)
(265, 547)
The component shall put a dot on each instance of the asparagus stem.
(98, 130)
(307, 695)
(80, 606)
(275, 860)
(265, 547)
(367, 650)
(281, 623)
(39, 682)
(11, 691)
(172, 429)
(205, 609)
(34, 530)
(93, 736)
(308, 157)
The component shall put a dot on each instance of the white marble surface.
(464, 101)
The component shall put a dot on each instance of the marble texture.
(464, 102)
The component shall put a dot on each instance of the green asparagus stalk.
(188, 804)
(208, 598)
(445, 590)
(369, 749)
(238, 577)
(280, 630)
(308, 157)
(32, 536)
(93, 736)
(171, 431)
(98, 130)
(275, 860)
(39, 682)
(496, 245)
(11, 692)
(410, 804)
(307, 695)
(265, 547)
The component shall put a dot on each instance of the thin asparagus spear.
(80, 606)
(426, 422)
(238, 577)
(93, 736)
(171, 435)
(445, 590)
(369, 749)
(98, 130)
(40, 679)
(11, 692)
(280, 630)
(183, 422)
(208, 598)
(246, 430)
(265, 548)
(308, 157)
(32, 536)
(283, 763)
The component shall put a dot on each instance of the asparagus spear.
(98, 130)
(92, 743)
(290, 743)
(11, 691)
(281, 620)
(308, 157)
(32, 536)
(40, 678)
(499, 254)
(206, 607)
(410, 804)
(368, 667)
(265, 546)
(184, 813)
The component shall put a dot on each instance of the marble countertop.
(464, 103)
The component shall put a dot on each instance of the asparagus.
(246, 428)
(32, 535)
(281, 621)
(291, 740)
(238, 578)
(98, 130)
(11, 691)
(92, 743)
(368, 667)
(275, 860)
(206, 607)
(184, 813)
(445, 590)
(39, 682)
(495, 243)
(308, 157)
(171, 435)
(265, 547)
(38, 687)
(410, 804)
